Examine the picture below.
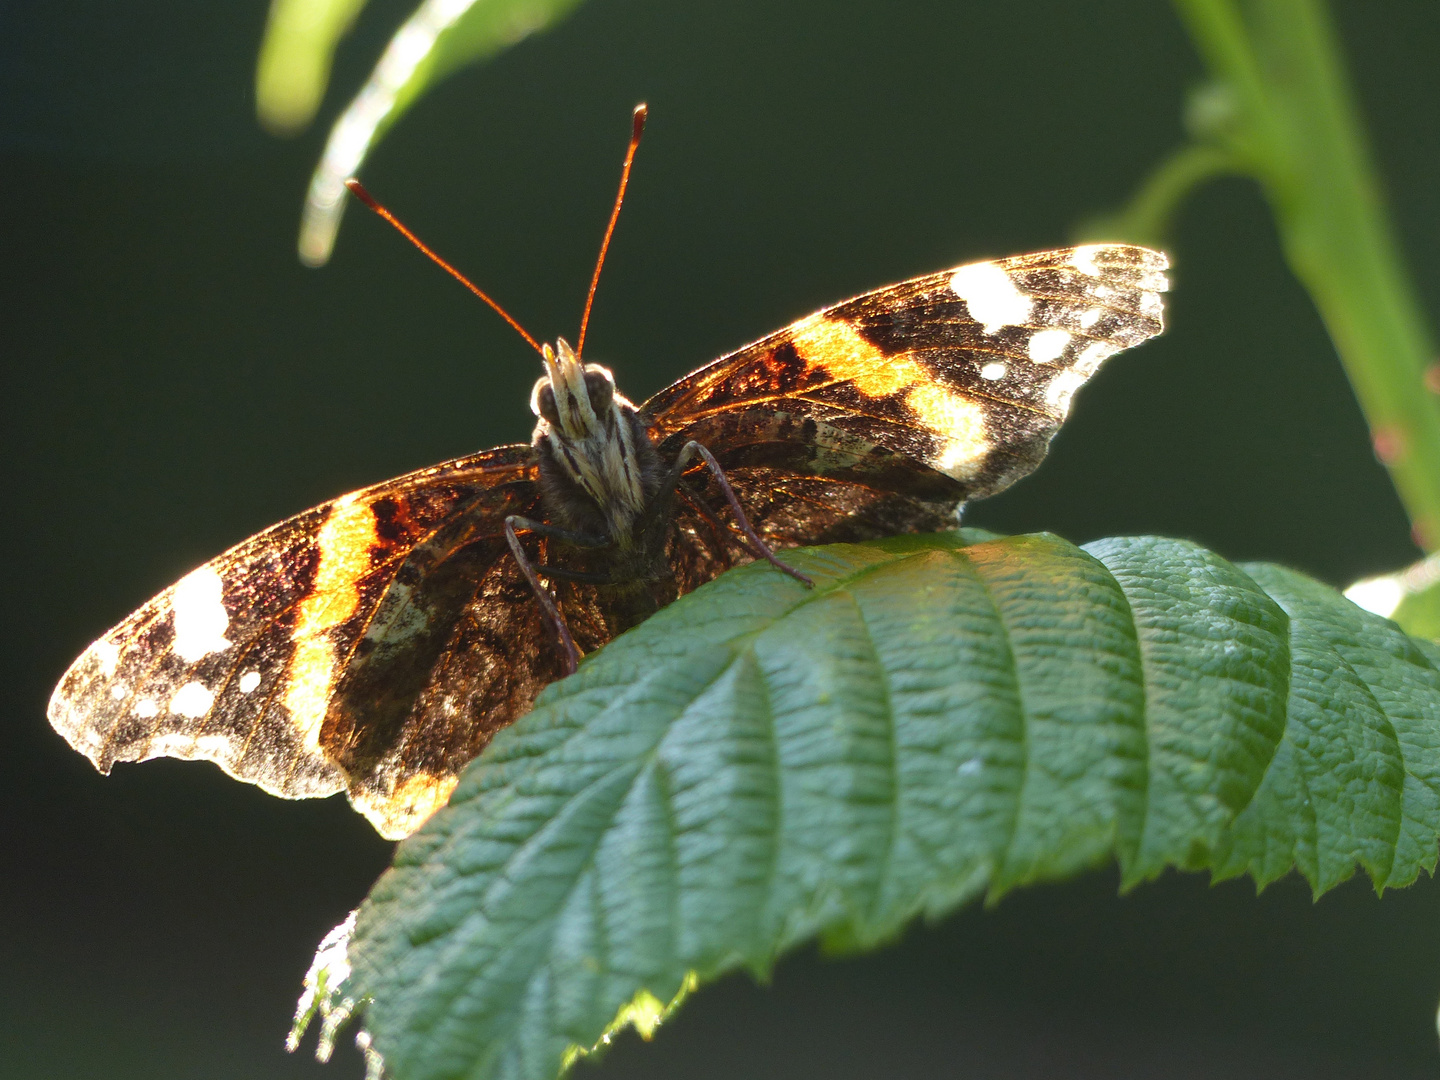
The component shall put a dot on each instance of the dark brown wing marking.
(882, 413)
(942, 388)
(456, 650)
(239, 662)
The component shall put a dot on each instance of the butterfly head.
(591, 429)
(573, 401)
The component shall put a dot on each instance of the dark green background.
(174, 381)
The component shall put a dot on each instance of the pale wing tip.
(67, 710)
(1135, 267)
(1144, 267)
(69, 722)
(93, 706)
(1121, 255)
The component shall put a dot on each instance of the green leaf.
(1418, 613)
(440, 37)
(1410, 596)
(941, 717)
(295, 58)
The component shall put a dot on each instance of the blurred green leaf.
(1411, 597)
(295, 59)
(760, 764)
(1419, 613)
(441, 36)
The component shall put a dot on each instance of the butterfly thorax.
(599, 472)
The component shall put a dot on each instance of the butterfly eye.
(542, 403)
(601, 389)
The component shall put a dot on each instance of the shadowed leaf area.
(942, 717)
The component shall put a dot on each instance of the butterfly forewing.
(883, 412)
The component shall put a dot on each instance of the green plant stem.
(1146, 218)
(1296, 129)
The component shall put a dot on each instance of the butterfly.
(374, 644)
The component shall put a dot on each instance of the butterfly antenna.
(637, 129)
(369, 200)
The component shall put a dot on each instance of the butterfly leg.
(693, 449)
(570, 655)
(578, 539)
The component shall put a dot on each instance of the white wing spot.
(990, 295)
(146, 708)
(249, 681)
(200, 618)
(1084, 260)
(192, 700)
(993, 370)
(1089, 317)
(118, 691)
(107, 654)
(1048, 345)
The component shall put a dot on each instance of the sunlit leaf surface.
(1411, 597)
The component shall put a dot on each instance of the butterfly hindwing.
(458, 650)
